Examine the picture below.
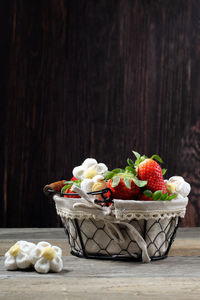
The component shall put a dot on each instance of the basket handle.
(54, 186)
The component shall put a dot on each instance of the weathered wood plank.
(32, 233)
(87, 268)
(100, 288)
(97, 279)
(92, 279)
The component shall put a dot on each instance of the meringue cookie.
(46, 257)
(17, 257)
(94, 184)
(89, 162)
(86, 185)
(98, 186)
(182, 187)
(100, 168)
(90, 173)
(89, 169)
(97, 178)
(78, 172)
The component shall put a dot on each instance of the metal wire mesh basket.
(114, 232)
(98, 243)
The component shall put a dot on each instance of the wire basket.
(114, 233)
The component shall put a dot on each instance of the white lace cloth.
(120, 212)
(130, 209)
(120, 209)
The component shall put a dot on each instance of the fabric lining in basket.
(138, 230)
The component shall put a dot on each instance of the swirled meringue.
(17, 257)
(46, 257)
(180, 186)
(89, 169)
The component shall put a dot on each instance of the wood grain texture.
(173, 278)
(98, 288)
(95, 78)
(187, 242)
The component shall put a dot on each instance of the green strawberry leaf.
(157, 157)
(130, 162)
(137, 155)
(65, 187)
(115, 181)
(164, 171)
(143, 157)
(127, 183)
(157, 195)
(138, 182)
(148, 193)
(77, 183)
(118, 170)
(131, 170)
(139, 160)
(164, 196)
(69, 182)
(171, 197)
(109, 175)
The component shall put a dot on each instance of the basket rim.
(120, 209)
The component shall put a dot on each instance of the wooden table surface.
(177, 277)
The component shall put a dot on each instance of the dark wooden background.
(95, 79)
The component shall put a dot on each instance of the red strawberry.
(68, 190)
(151, 171)
(121, 191)
(74, 178)
(145, 198)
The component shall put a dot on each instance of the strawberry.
(151, 171)
(67, 187)
(148, 169)
(124, 184)
(68, 190)
(156, 196)
(121, 191)
(144, 198)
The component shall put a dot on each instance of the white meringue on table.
(46, 257)
(17, 257)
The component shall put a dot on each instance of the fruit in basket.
(151, 171)
(67, 187)
(140, 180)
(143, 197)
(148, 169)
(124, 184)
(147, 195)
(121, 190)
(68, 190)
